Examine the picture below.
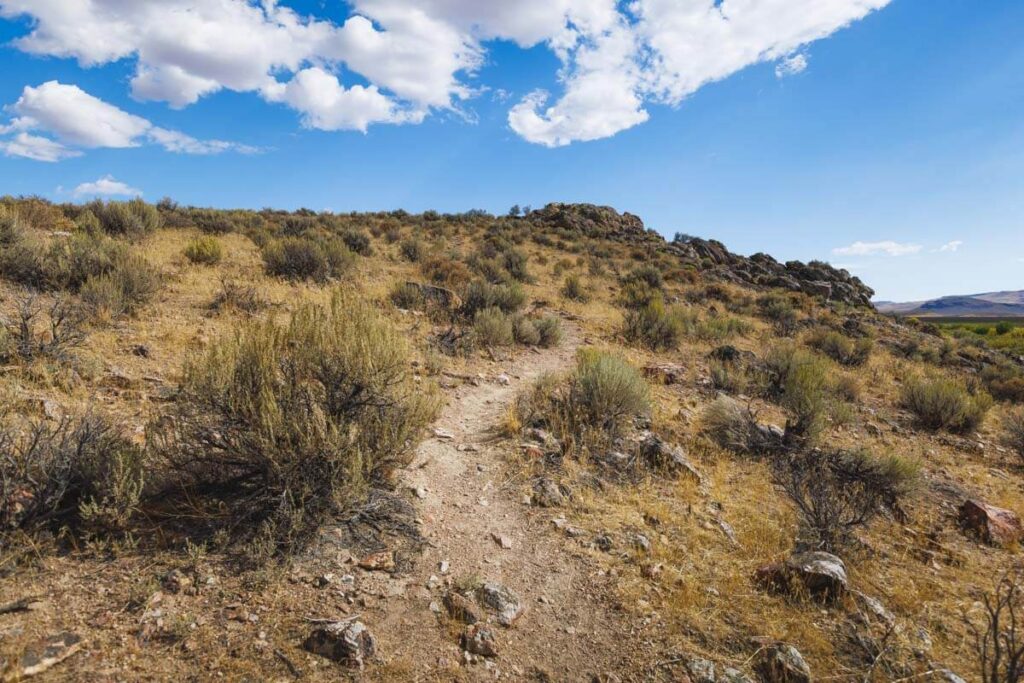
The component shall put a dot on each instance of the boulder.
(821, 575)
(502, 600)
(781, 663)
(991, 524)
(346, 642)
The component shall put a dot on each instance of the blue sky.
(896, 149)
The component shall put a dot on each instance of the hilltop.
(1008, 304)
(544, 446)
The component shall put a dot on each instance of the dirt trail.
(567, 631)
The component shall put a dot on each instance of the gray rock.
(547, 494)
(346, 642)
(702, 671)
(823, 574)
(667, 458)
(502, 600)
(782, 663)
(479, 640)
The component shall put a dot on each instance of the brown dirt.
(569, 631)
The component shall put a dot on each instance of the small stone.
(702, 671)
(477, 639)
(324, 580)
(782, 663)
(383, 561)
(443, 434)
(420, 492)
(175, 581)
(501, 600)
(443, 566)
(504, 541)
(349, 643)
(547, 494)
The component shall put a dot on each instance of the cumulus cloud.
(75, 119)
(395, 61)
(791, 65)
(36, 148)
(887, 247)
(951, 246)
(107, 186)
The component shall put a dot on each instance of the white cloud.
(887, 247)
(953, 245)
(393, 61)
(791, 65)
(77, 119)
(106, 186)
(37, 148)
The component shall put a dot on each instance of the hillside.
(269, 445)
(989, 305)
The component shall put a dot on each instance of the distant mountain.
(987, 305)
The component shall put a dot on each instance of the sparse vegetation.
(305, 258)
(204, 250)
(941, 403)
(842, 349)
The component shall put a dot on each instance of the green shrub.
(779, 309)
(574, 289)
(721, 328)
(205, 250)
(606, 391)
(799, 382)
(943, 403)
(550, 330)
(357, 241)
(133, 219)
(212, 222)
(842, 349)
(525, 331)
(279, 428)
(480, 295)
(307, 258)
(656, 325)
(493, 327)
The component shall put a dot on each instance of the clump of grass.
(721, 328)
(278, 427)
(780, 310)
(550, 330)
(205, 250)
(525, 331)
(1004, 381)
(943, 403)
(842, 349)
(232, 295)
(132, 283)
(606, 390)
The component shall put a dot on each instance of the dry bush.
(943, 403)
(41, 330)
(83, 473)
(999, 640)
(412, 249)
(244, 298)
(409, 296)
(734, 426)
(205, 250)
(279, 427)
(307, 258)
(839, 491)
(525, 331)
(446, 272)
(132, 283)
(574, 289)
(1004, 381)
(842, 349)
(357, 241)
(1013, 425)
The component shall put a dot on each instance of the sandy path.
(567, 631)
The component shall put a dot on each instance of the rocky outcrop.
(760, 270)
